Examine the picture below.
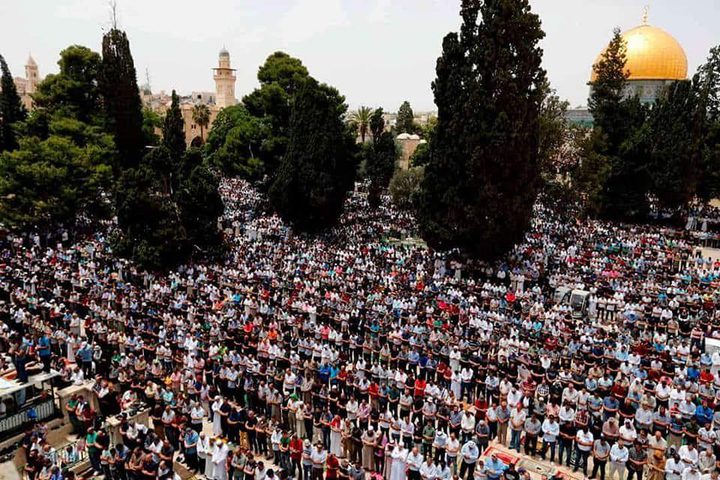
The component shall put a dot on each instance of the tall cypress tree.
(381, 157)
(708, 79)
(318, 168)
(482, 180)
(405, 122)
(674, 127)
(11, 109)
(118, 82)
(174, 130)
(617, 137)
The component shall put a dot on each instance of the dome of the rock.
(652, 54)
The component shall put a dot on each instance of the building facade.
(224, 81)
(223, 96)
(28, 85)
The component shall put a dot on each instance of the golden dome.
(652, 54)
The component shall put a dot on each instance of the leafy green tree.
(405, 186)
(174, 130)
(319, 167)
(361, 118)
(405, 122)
(74, 91)
(121, 97)
(616, 136)
(421, 155)
(380, 158)
(151, 232)
(200, 205)
(165, 166)
(50, 182)
(280, 77)
(239, 155)
(162, 227)
(151, 123)
(235, 144)
(427, 130)
(591, 175)
(674, 131)
(553, 127)
(708, 81)
(12, 110)
(482, 180)
(61, 171)
(287, 72)
(201, 117)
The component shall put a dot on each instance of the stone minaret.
(224, 81)
(32, 78)
(32, 75)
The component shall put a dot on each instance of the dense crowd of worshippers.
(349, 356)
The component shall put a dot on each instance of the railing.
(69, 461)
(17, 421)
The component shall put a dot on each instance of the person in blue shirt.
(610, 406)
(190, 441)
(85, 354)
(20, 360)
(44, 352)
(413, 358)
(703, 413)
(494, 467)
(324, 373)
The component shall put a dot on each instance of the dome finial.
(646, 11)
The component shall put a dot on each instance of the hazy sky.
(377, 52)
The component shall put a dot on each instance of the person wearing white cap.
(219, 460)
(217, 418)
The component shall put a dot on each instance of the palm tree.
(361, 117)
(201, 117)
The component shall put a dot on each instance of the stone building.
(224, 81)
(409, 142)
(223, 96)
(27, 85)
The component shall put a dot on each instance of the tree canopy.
(280, 77)
(380, 157)
(236, 143)
(54, 181)
(617, 139)
(12, 110)
(318, 168)
(74, 91)
(405, 122)
(174, 130)
(673, 145)
(121, 97)
(482, 179)
(60, 172)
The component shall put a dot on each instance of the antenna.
(646, 11)
(113, 13)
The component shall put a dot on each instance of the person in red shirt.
(296, 450)
(420, 385)
(706, 376)
(332, 465)
(373, 391)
